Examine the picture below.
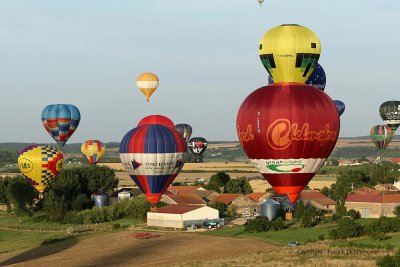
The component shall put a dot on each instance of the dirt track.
(123, 249)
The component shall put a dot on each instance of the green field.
(281, 237)
(11, 240)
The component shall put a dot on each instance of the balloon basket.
(289, 216)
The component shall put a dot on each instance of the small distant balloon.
(93, 150)
(390, 114)
(147, 83)
(381, 135)
(40, 164)
(339, 106)
(61, 121)
(185, 130)
(260, 2)
(197, 146)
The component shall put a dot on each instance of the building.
(317, 199)
(181, 216)
(386, 187)
(190, 199)
(207, 195)
(182, 189)
(371, 203)
(124, 193)
(243, 204)
(259, 198)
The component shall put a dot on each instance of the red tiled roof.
(204, 193)
(317, 197)
(256, 196)
(381, 197)
(226, 198)
(177, 209)
(182, 189)
(365, 190)
(191, 199)
(395, 160)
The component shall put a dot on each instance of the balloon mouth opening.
(153, 198)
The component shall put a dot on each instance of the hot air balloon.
(185, 130)
(317, 78)
(288, 144)
(147, 83)
(61, 121)
(40, 164)
(93, 150)
(260, 2)
(381, 136)
(197, 146)
(156, 119)
(390, 114)
(153, 155)
(290, 53)
(339, 106)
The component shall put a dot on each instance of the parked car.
(209, 224)
(293, 243)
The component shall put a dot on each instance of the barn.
(180, 216)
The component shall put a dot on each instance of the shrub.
(321, 237)
(278, 224)
(258, 225)
(345, 228)
(379, 236)
(353, 214)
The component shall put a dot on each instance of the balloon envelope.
(153, 155)
(317, 78)
(381, 135)
(147, 83)
(93, 150)
(185, 130)
(339, 106)
(156, 119)
(40, 164)
(289, 52)
(197, 146)
(61, 121)
(281, 130)
(390, 114)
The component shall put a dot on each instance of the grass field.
(281, 237)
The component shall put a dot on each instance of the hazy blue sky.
(89, 52)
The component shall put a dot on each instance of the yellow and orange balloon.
(40, 164)
(147, 83)
(93, 150)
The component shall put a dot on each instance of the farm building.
(372, 203)
(259, 198)
(242, 203)
(206, 195)
(180, 216)
(318, 200)
(175, 190)
(190, 199)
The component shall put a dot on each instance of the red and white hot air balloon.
(288, 130)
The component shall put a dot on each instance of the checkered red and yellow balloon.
(40, 164)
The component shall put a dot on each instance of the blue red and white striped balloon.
(153, 155)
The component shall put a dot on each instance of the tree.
(221, 207)
(307, 219)
(298, 213)
(326, 191)
(238, 186)
(397, 211)
(346, 227)
(217, 181)
(3, 193)
(54, 205)
(21, 196)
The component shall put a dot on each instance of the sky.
(89, 53)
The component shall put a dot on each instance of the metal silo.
(269, 209)
(100, 199)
